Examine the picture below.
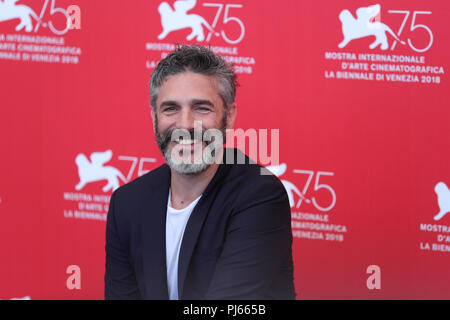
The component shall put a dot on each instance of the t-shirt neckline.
(193, 203)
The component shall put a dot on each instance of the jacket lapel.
(154, 236)
(195, 222)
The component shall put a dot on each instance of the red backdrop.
(364, 133)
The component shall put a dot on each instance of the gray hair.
(197, 59)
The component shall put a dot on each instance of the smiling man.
(203, 225)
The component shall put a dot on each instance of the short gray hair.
(197, 59)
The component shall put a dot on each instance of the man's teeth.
(187, 141)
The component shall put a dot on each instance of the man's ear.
(231, 116)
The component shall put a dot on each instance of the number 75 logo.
(317, 186)
(414, 26)
(72, 16)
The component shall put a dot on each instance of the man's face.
(185, 100)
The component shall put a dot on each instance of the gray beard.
(186, 168)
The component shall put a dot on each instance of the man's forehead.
(188, 86)
(189, 76)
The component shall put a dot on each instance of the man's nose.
(186, 119)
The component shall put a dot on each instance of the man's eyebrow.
(194, 102)
(169, 103)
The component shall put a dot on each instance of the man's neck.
(187, 188)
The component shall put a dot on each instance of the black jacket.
(237, 243)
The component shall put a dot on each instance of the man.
(200, 226)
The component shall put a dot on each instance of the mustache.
(167, 136)
(163, 139)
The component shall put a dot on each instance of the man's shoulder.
(255, 174)
(257, 194)
(142, 184)
(255, 180)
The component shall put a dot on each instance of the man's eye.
(203, 109)
(169, 109)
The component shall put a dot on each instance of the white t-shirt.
(176, 221)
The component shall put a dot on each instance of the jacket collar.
(195, 222)
(154, 229)
(154, 235)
